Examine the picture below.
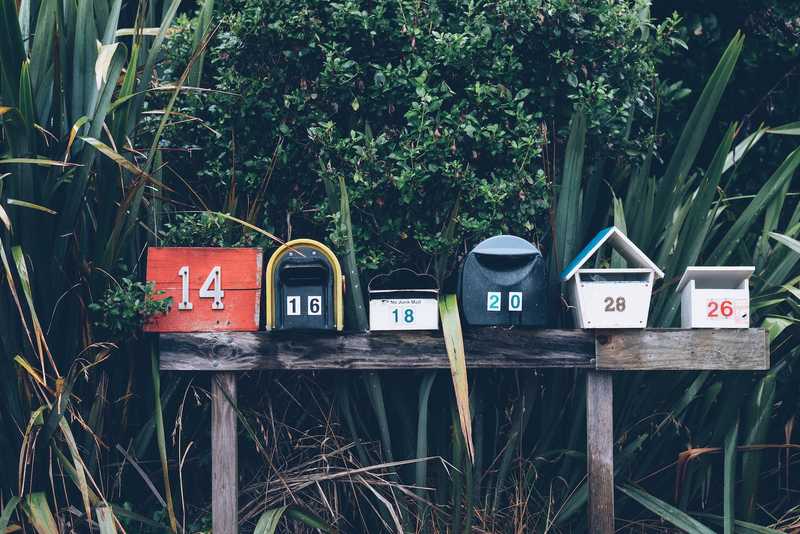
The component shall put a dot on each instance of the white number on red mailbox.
(214, 278)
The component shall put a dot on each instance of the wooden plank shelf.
(496, 348)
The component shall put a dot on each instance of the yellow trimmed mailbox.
(305, 288)
(715, 297)
(611, 298)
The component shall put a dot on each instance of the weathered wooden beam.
(600, 450)
(224, 455)
(676, 349)
(620, 350)
(485, 347)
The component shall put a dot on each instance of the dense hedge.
(427, 110)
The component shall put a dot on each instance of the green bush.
(430, 112)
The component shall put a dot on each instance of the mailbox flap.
(506, 245)
(715, 277)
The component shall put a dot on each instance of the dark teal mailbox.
(502, 282)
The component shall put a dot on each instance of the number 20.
(206, 292)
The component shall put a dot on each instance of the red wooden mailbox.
(212, 289)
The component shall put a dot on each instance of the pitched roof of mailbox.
(624, 246)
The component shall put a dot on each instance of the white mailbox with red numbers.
(715, 297)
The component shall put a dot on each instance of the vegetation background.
(403, 133)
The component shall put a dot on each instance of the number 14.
(206, 292)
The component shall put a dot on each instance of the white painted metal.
(403, 314)
(715, 297)
(611, 298)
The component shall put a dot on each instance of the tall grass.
(78, 194)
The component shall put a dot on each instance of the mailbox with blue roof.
(611, 297)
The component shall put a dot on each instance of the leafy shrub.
(127, 306)
(205, 229)
(430, 112)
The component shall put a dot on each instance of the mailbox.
(502, 282)
(715, 297)
(403, 300)
(212, 289)
(306, 288)
(611, 298)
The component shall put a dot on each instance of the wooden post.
(600, 451)
(224, 456)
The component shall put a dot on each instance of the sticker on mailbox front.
(494, 301)
(403, 314)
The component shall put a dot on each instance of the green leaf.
(105, 519)
(728, 242)
(39, 514)
(694, 133)
(268, 522)
(454, 342)
(567, 231)
(729, 481)
(203, 25)
(786, 240)
(665, 511)
(5, 516)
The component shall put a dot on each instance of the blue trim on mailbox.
(621, 244)
(586, 253)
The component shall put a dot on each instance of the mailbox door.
(304, 295)
(614, 304)
(503, 290)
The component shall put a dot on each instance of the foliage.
(80, 180)
(418, 107)
(308, 143)
(205, 229)
(127, 307)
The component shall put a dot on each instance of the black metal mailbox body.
(502, 282)
(306, 284)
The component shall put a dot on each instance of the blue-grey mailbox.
(502, 282)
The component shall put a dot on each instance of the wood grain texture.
(241, 274)
(224, 455)
(677, 349)
(485, 348)
(600, 451)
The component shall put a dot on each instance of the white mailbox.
(715, 297)
(403, 300)
(611, 298)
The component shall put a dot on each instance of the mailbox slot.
(306, 288)
(502, 282)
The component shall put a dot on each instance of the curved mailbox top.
(403, 278)
(506, 245)
(305, 285)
